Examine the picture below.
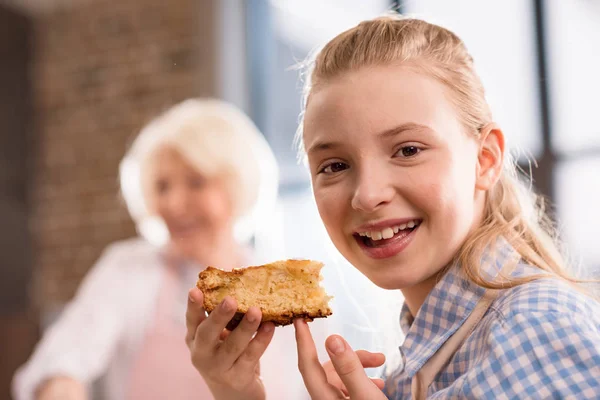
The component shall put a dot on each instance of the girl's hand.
(228, 361)
(341, 378)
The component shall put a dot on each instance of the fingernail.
(337, 346)
(226, 305)
(191, 299)
(267, 327)
(250, 318)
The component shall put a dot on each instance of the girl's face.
(196, 209)
(394, 174)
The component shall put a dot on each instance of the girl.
(413, 184)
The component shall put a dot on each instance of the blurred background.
(79, 78)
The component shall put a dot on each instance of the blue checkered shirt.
(539, 340)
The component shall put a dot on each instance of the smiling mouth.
(380, 238)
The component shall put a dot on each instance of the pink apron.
(162, 369)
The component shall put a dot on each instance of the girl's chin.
(392, 274)
(392, 281)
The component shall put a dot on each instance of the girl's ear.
(490, 158)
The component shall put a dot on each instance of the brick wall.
(101, 70)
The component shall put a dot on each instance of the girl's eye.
(333, 168)
(408, 151)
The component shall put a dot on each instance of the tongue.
(379, 243)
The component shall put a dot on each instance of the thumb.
(350, 370)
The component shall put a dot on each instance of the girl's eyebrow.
(409, 126)
(322, 145)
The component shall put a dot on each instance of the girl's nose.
(373, 190)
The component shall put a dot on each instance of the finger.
(380, 383)
(370, 360)
(209, 332)
(194, 314)
(224, 334)
(350, 370)
(332, 377)
(312, 372)
(256, 348)
(232, 348)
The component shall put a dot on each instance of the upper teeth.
(389, 232)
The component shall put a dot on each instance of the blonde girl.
(414, 185)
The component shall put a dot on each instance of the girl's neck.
(415, 296)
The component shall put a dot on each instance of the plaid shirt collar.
(445, 309)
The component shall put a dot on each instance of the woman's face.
(197, 209)
(393, 172)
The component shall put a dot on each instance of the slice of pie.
(283, 290)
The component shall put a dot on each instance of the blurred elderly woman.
(196, 181)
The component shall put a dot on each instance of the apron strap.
(422, 379)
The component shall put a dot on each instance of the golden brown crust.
(300, 276)
(278, 319)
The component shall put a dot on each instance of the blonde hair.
(512, 210)
(216, 138)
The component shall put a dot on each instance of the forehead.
(377, 99)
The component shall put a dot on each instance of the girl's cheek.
(329, 208)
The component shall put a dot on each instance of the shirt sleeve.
(80, 343)
(538, 355)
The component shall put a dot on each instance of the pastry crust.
(283, 290)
